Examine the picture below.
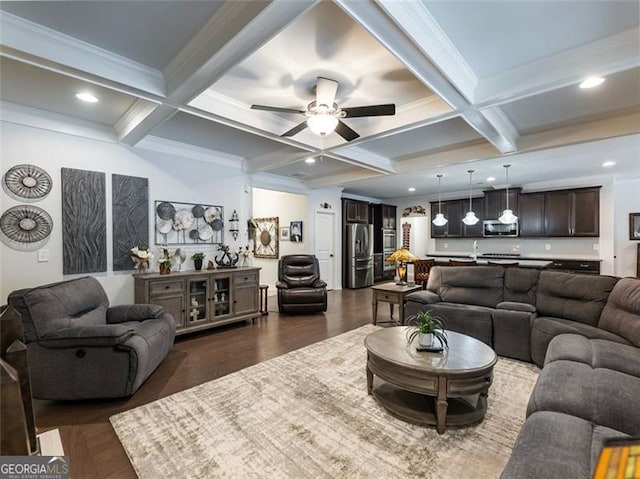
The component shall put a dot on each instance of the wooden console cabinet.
(202, 299)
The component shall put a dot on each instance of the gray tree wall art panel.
(130, 212)
(84, 222)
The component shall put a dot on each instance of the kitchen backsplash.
(559, 247)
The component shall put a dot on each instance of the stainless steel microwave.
(494, 228)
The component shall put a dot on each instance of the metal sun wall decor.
(266, 240)
(130, 217)
(187, 223)
(84, 221)
(28, 182)
(25, 225)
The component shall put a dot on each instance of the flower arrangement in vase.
(244, 253)
(141, 257)
(165, 262)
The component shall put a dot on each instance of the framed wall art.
(284, 233)
(266, 242)
(634, 226)
(188, 223)
(295, 233)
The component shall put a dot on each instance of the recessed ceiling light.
(491, 178)
(310, 160)
(608, 163)
(592, 82)
(86, 96)
(412, 189)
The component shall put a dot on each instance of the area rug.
(307, 414)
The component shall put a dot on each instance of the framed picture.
(267, 237)
(634, 226)
(295, 233)
(284, 233)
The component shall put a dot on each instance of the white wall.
(287, 207)
(170, 178)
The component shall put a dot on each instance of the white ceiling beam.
(185, 150)
(235, 31)
(603, 57)
(340, 179)
(385, 29)
(31, 42)
(275, 159)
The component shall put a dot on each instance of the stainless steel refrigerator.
(360, 255)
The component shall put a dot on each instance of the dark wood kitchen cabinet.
(388, 217)
(355, 211)
(474, 231)
(495, 202)
(531, 209)
(453, 212)
(572, 212)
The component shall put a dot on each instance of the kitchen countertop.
(482, 260)
(512, 258)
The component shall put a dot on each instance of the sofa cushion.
(597, 353)
(579, 297)
(67, 304)
(471, 320)
(603, 396)
(621, 315)
(553, 445)
(476, 285)
(544, 329)
(520, 285)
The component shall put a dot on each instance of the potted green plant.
(197, 260)
(427, 327)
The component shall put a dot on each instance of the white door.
(325, 245)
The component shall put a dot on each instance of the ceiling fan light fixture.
(322, 124)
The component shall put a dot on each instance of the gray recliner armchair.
(80, 348)
(300, 289)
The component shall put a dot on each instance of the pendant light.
(470, 219)
(507, 215)
(439, 220)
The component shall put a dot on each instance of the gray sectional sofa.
(583, 330)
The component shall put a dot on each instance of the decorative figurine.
(227, 259)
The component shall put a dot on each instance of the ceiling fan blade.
(296, 129)
(276, 108)
(372, 110)
(345, 132)
(326, 91)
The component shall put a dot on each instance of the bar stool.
(264, 299)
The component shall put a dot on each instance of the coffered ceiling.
(474, 83)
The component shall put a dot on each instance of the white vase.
(425, 340)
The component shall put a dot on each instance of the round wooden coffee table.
(441, 389)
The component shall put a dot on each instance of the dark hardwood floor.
(87, 435)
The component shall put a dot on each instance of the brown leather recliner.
(300, 289)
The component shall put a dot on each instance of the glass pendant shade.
(470, 219)
(439, 220)
(322, 124)
(507, 215)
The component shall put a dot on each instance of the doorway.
(325, 239)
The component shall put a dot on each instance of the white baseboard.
(50, 444)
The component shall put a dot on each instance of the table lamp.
(401, 256)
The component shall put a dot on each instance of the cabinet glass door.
(197, 300)
(221, 297)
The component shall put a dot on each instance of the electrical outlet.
(596, 246)
(547, 247)
(43, 255)
(446, 245)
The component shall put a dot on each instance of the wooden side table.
(393, 294)
(264, 299)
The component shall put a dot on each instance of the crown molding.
(603, 57)
(184, 150)
(33, 39)
(46, 120)
(358, 156)
(341, 179)
(417, 22)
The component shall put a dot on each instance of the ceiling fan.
(325, 116)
